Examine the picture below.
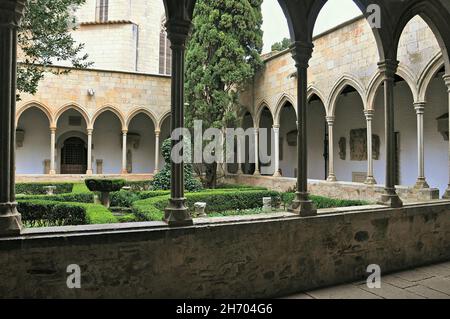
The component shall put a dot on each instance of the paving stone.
(414, 275)
(427, 292)
(342, 292)
(299, 296)
(437, 270)
(439, 284)
(397, 281)
(388, 291)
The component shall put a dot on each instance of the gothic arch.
(428, 75)
(284, 98)
(346, 80)
(163, 117)
(44, 108)
(112, 109)
(76, 107)
(263, 104)
(145, 111)
(312, 90)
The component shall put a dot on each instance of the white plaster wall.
(107, 141)
(288, 119)
(144, 156)
(267, 122)
(36, 146)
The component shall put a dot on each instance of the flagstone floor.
(431, 282)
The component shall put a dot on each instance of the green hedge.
(87, 198)
(217, 201)
(39, 188)
(139, 186)
(104, 185)
(39, 213)
(323, 202)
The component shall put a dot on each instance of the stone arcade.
(240, 256)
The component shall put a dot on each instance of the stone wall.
(241, 257)
(338, 190)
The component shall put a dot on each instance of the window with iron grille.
(101, 12)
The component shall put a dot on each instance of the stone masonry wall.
(240, 257)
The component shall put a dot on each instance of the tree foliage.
(223, 53)
(282, 45)
(45, 38)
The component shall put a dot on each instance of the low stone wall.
(241, 257)
(78, 178)
(339, 190)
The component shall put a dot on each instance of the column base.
(332, 178)
(303, 206)
(156, 171)
(391, 199)
(257, 173)
(52, 172)
(89, 172)
(277, 174)
(177, 214)
(421, 184)
(10, 220)
(370, 180)
(447, 193)
(124, 172)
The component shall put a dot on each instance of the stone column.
(302, 205)
(370, 180)
(388, 69)
(124, 152)
(447, 83)
(52, 150)
(421, 180)
(178, 28)
(10, 14)
(276, 136)
(89, 152)
(157, 133)
(331, 174)
(257, 171)
(239, 155)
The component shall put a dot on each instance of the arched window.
(165, 53)
(101, 11)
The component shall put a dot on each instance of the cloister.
(381, 92)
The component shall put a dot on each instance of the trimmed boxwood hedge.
(39, 188)
(39, 213)
(105, 185)
(87, 197)
(217, 201)
(323, 202)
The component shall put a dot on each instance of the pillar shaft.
(331, 173)
(157, 133)
(421, 180)
(302, 205)
(388, 69)
(124, 153)
(239, 148)
(89, 152)
(52, 151)
(176, 214)
(370, 180)
(10, 14)
(276, 136)
(256, 133)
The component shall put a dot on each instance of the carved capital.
(447, 81)
(89, 131)
(369, 114)
(419, 107)
(11, 12)
(157, 133)
(388, 69)
(302, 52)
(330, 120)
(178, 31)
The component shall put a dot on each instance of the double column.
(421, 180)
(370, 180)
(10, 14)
(256, 136)
(331, 173)
(178, 28)
(157, 134)
(302, 205)
(388, 68)
(52, 151)
(124, 152)
(447, 83)
(276, 136)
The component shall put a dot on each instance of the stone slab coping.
(69, 231)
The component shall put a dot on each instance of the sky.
(333, 13)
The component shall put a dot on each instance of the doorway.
(73, 156)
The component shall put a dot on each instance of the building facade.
(79, 123)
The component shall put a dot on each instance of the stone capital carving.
(11, 12)
(157, 133)
(419, 107)
(302, 52)
(178, 31)
(447, 81)
(90, 131)
(330, 120)
(369, 114)
(388, 69)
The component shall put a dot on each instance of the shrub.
(39, 188)
(47, 213)
(139, 186)
(323, 202)
(71, 197)
(123, 198)
(105, 186)
(161, 181)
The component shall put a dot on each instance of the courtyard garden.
(61, 204)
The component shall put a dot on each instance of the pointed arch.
(112, 109)
(76, 107)
(163, 117)
(44, 108)
(428, 75)
(346, 80)
(142, 110)
(282, 100)
(312, 90)
(263, 104)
